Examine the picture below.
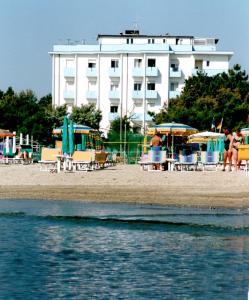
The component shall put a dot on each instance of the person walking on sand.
(237, 140)
(227, 149)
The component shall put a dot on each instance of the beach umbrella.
(174, 129)
(71, 137)
(204, 136)
(65, 143)
(82, 129)
(83, 142)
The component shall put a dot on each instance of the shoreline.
(123, 194)
(127, 184)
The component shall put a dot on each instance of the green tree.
(204, 98)
(87, 115)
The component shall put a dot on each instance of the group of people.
(231, 149)
(231, 144)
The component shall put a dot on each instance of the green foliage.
(24, 113)
(204, 98)
(87, 115)
(122, 124)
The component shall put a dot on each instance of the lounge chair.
(83, 160)
(188, 162)
(100, 160)
(147, 161)
(209, 159)
(49, 159)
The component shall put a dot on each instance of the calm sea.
(80, 250)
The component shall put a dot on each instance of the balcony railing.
(113, 116)
(91, 95)
(151, 94)
(175, 72)
(138, 72)
(114, 94)
(114, 72)
(137, 95)
(152, 71)
(174, 94)
(91, 72)
(69, 72)
(208, 72)
(68, 95)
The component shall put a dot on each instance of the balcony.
(138, 72)
(114, 94)
(68, 95)
(137, 95)
(174, 94)
(113, 116)
(151, 94)
(175, 72)
(114, 72)
(140, 117)
(208, 72)
(69, 72)
(91, 95)
(152, 71)
(91, 72)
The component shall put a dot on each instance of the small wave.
(138, 221)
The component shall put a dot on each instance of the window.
(153, 41)
(113, 109)
(91, 64)
(151, 62)
(151, 86)
(208, 62)
(114, 86)
(149, 41)
(137, 86)
(92, 85)
(137, 63)
(131, 41)
(173, 86)
(114, 63)
(127, 41)
(174, 67)
(164, 41)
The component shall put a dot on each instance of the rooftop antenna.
(136, 22)
(68, 41)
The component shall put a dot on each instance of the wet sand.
(127, 183)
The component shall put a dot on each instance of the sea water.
(80, 250)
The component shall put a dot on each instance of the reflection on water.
(75, 250)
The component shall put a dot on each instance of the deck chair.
(100, 160)
(147, 161)
(209, 159)
(188, 162)
(83, 160)
(49, 159)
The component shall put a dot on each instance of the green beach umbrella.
(65, 144)
(83, 142)
(71, 137)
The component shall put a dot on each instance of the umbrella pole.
(172, 147)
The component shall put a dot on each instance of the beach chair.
(49, 159)
(209, 159)
(147, 161)
(100, 160)
(188, 162)
(83, 160)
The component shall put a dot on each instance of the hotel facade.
(131, 74)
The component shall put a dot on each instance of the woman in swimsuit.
(227, 149)
(238, 139)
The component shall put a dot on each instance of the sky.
(30, 28)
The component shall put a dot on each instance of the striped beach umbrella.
(176, 129)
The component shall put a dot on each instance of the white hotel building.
(131, 74)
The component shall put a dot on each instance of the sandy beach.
(127, 183)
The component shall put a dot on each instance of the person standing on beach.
(237, 140)
(227, 149)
